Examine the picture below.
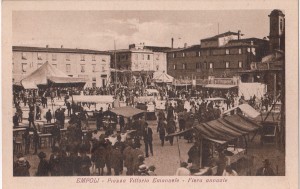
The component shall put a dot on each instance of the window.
(126, 57)
(174, 67)
(240, 64)
(157, 67)
(184, 66)
(54, 57)
(240, 51)
(82, 68)
(55, 65)
(94, 67)
(82, 58)
(39, 56)
(67, 57)
(227, 51)
(93, 78)
(281, 24)
(174, 55)
(148, 57)
(24, 67)
(68, 68)
(93, 58)
(183, 54)
(227, 64)
(248, 49)
(211, 65)
(199, 53)
(24, 56)
(197, 65)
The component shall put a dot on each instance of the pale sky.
(98, 29)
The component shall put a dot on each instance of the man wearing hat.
(43, 167)
(148, 139)
(48, 116)
(84, 163)
(55, 162)
(16, 119)
(121, 146)
(128, 157)
(266, 170)
(136, 154)
(116, 158)
(21, 166)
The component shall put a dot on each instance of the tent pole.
(178, 149)
(201, 141)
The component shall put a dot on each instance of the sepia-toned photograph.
(150, 94)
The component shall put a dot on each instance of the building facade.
(138, 61)
(140, 58)
(222, 55)
(92, 65)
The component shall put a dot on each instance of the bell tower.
(277, 30)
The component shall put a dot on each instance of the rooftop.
(57, 50)
(220, 35)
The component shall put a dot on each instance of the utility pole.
(115, 67)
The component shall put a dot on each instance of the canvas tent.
(162, 77)
(48, 74)
(226, 129)
(223, 130)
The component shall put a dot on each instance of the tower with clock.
(277, 30)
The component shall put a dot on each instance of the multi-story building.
(222, 55)
(92, 65)
(139, 59)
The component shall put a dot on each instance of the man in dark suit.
(148, 139)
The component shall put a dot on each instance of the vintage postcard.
(131, 94)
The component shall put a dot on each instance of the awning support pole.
(201, 141)
(254, 135)
(178, 149)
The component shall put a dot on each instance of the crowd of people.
(78, 153)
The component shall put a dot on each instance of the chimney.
(172, 42)
(61, 46)
(47, 46)
(239, 34)
(185, 45)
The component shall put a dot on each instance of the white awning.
(29, 85)
(214, 99)
(219, 86)
(93, 98)
(246, 109)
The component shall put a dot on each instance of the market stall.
(129, 113)
(48, 75)
(227, 133)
